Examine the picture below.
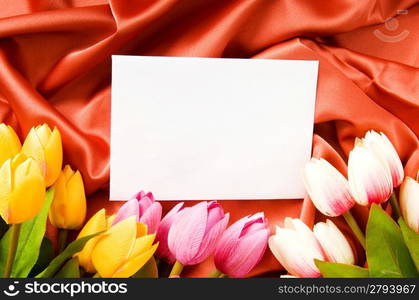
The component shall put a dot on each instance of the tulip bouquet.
(375, 173)
(135, 241)
(139, 241)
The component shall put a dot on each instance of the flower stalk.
(395, 205)
(62, 239)
(177, 269)
(14, 239)
(350, 220)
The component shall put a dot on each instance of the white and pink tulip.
(327, 188)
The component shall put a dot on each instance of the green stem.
(355, 228)
(14, 239)
(96, 275)
(215, 274)
(395, 205)
(222, 275)
(62, 239)
(176, 270)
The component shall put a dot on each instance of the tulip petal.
(247, 254)
(142, 229)
(33, 147)
(296, 247)
(128, 209)
(409, 202)
(144, 203)
(96, 223)
(141, 244)
(335, 245)
(152, 216)
(327, 187)
(53, 157)
(9, 143)
(163, 232)
(295, 255)
(113, 248)
(58, 211)
(28, 194)
(5, 189)
(210, 240)
(134, 264)
(187, 232)
(76, 202)
(67, 172)
(215, 214)
(384, 149)
(369, 179)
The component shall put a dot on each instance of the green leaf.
(411, 239)
(57, 262)
(30, 239)
(149, 270)
(387, 254)
(46, 254)
(70, 270)
(336, 270)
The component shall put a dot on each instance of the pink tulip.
(242, 246)
(194, 234)
(327, 187)
(384, 149)
(296, 247)
(163, 232)
(145, 208)
(369, 178)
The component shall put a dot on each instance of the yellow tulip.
(97, 223)
(123, 249)
(68, 209)
(9, 143)
(46, 148)
(22, 189)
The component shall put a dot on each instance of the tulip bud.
(22, 189)
(384, 149)
(9, 143)
(242, 246)
(144, 208)
(68, 209)
(409, 202)
(369, 179)
(333, 243)
(327, 187)
(45, 147)
(296, 247)
(193, 236)
(122, 250)
(97, 223)
(163, 233)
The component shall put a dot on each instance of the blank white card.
(210, 128)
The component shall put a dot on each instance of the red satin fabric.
(55, 68)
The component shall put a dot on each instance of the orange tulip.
(9, 143)
(97, 223)
(68, 209)
(46, 148)
(22, 189)
(123, 249)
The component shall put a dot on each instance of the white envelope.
(209, 128)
